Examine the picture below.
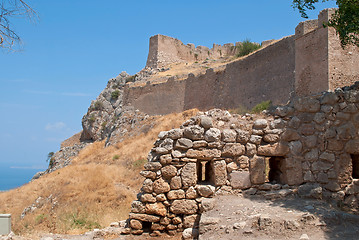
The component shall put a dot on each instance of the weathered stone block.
(148, 174)
(220, 172)
(232, 166)
(271, 138)
(176, 183)
(229, 135)
(144, 217)
(240, 179)
(135, 224)
(205, 190)
(205, 154)
(242, 136)
(243, 162)
(156, 208)
(233, 149)
(260, 123)
(326, 156)
(183, 144)
(206, 122)
(169, 171)
(212, 135)
(312, 155)
(194, 132)
(189, 175)
(152, 166)
(257, 170)
(161, 186)
(137, 207)
(175, 133)
(307, 129)
(199, 144)
(147, 186)
(255, 139)
(176, 194)
(251, 149)
(148, 198)
(184, 206)
(191, 193)
(276, 149)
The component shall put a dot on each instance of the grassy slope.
(95, 190)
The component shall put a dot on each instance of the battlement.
(164, 50)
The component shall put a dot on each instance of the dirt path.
(236, 217)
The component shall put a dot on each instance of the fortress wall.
(343, 63)
(164, 50)
(155, 99)
(311, 62)
(265, 75)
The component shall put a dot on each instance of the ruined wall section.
(267, 74)
(309, 146)
(311, 58)
(321, 63)
(164, 50)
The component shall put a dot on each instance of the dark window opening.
(273, 169)
(204, 172)
(146, 226)
(355, 164)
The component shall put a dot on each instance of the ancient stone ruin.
(309, 147)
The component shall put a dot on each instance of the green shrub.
(265, 105)
(97, 105)
(131, 78)
(115, 157)
(247, 47)
(115, 94)
(103, 125)
(92, 118)
(82, 222)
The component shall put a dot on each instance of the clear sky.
(76, 46)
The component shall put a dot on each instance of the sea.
(13, 177)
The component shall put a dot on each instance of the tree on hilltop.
(9, 9)
(345, 19)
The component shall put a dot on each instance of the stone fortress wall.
(307, 147)
(308, 62)
(165, 50)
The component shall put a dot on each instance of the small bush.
(103, 125)
(115, 157)
(92, 118)
(115, 95)
(265, 105)
(247, 47)
(97, 105)
(40, 218)
(82, 222)
(131, 78)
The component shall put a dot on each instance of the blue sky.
(76, 46)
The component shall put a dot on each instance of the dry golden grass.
(95, 190)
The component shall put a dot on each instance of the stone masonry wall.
(308, 147)
(321, 63)
(164, 50)
(309, 62)
(265, 75)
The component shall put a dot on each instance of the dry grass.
(95, 190)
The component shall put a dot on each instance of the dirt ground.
(256, 218)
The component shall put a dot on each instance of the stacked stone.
(171, 195)
(312, 140)
(322, 134)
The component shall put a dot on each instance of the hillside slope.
(95, 190)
